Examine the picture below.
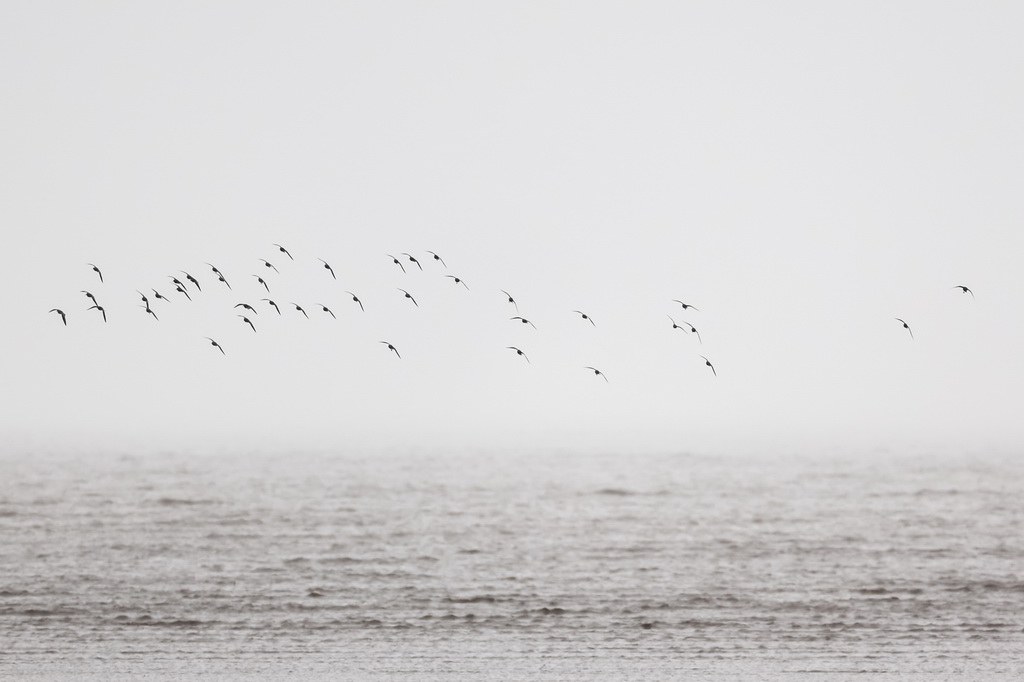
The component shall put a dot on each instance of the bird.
(99, 308)
(519, 352)
(356, 299)
(459, 281)
(177, 282)
(273, 304)
(192, 279)
(63, 317)
(409, 296)
(263, 282)
(283, 250)
(328, 267)
(413, 260)
(685, 305)
(96, 270)
(524, 321)
(214, 268)
(674, 325)
(90, 296)
(299, 308)
(906, 326)
(246, 306)
(390, 347)
(247, 321)
(159, 296)
(708, 363)
(964, 289)
(585, 316)
(396, 262)
(220, 275)
(150, 311)
(437, 258)
(510, 299)
(692, 329)
(215, 344)
(269, 265)
(327, 310)
(144, 299)
(181, 289)
(597, 372)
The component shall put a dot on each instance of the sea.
(539, 565)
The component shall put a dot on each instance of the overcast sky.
(801, 172)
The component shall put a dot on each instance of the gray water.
(511, 566)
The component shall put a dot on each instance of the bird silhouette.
(964, 289)
(708, 363)
(437, 258)
(263, 282)
(215, 344)
(510, 299)
(524, 321)
(99, 308)
(181, 290)
(356, 299)
(273, 304)
(160, 297)
(192, 279)
(905, 326)
(327, 310)
(299, 308)
(150, 311)
(247, 307)
(328, 267)
(409, 296)
(458, 281)
(144, 299)
(597, 372)
(685, 305)
(96, 270)
(220, 275)
(177, 282)
(90, 297)
(585, 316)
(269, 265)
(518, 352)
(692, 329)
(390, 347)
(284, 251)
(63, 317)
(396, 262)
(247, 321)
(413, 260)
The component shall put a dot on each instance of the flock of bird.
(181, 288)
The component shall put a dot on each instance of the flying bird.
(413, 260)
(396, 261)
(409, 296)
(144, 299)
(150, 311)
(964, 289)
(99, 308)
(510, 299)
(177, 282)
(524, 321)
(63, 317)
(246, 306)
(220, 275)
(181, 289)
(273, 304)
(390, 347)
(585, 316)
(692, 328)
(437, 258)
(327, 310)
(263, 282)
(328, 267)
(299, 308)
(597, 372)
(192, 279)
(356, 299)
(685, 305)
(459, 281)
(269, 265)
(518, 352)
(247, 321)
(214, 344)
(283, 250)
(90, 296)
(906, 326)
(708, 363)
(96, 270)
(160, 297)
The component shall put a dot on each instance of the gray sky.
(802, 172)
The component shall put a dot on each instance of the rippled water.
(529, 566)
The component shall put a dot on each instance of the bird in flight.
(685, 305)
(177, 282)
(437, 258)
(247, 307)
(585, 316)
(90, 297)
(518, 352)
(327, 310)
(396, 261)
(160, 297)
(964, 289)
(510, 299)
(144, 299)
(299, 308)
(692, 329)
(356, 299)
(220, 275)
(273, 304)
(708, 363)
(263, 282)
(524, 321)
(63, 317)
(597, 372)
(409, 296)
(413, 260)
(328, 267)
(269, 265)
(181, 289)
(247, 321)
(96, 270)
(390, 347)
(192, 279)
(458, 281)
(150, 311)
(905, 326)
(284, 251)
(99, 308)
(214, 344)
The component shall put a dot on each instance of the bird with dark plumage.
(518, 352)
(96, 270)
(585, 316)
(273, 304)
(247, 321)
(708, 363)
(356, 299)
(299, 308)
(396, 262)
(390, 347)
(964, 289)
(437, 258)
(327, 310)
(597, 372)
(409, 296)
(160, 297)
(63, 317)
(458, 281)
(905, 326)
(215, 344)
(150, 311)
(412, 259)
(263, 282)
(247, 307)
(284, 251)
(270, 265)
(99, 308)
(90, 297)
(686, 306)
(510, 299)
(328, 267)
(523, 320)
(192, 279)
